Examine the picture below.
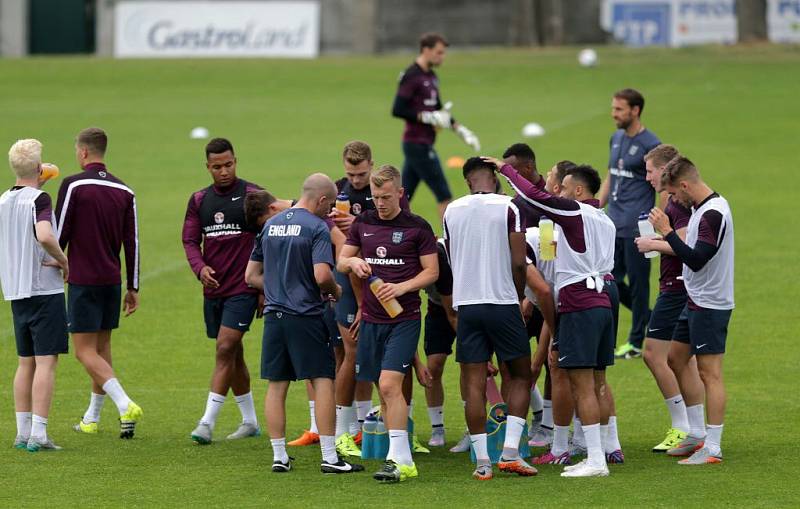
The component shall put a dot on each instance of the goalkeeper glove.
(469, 137)
(438, 118)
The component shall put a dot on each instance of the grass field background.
(734, 111)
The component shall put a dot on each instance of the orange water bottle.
(49, 171)
(343, 203)
(392, 307)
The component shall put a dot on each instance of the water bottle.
(547, 251)
(49, 171)
(647, 231)
(343, 203)
(392, 307)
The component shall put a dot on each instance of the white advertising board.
(216, 29)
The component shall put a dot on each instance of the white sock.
(537, 403)
(114, 390)
(279, 450)
(95, 407)
(560, 440)
(247, 408)
(328, 445)
(436, 414)
(481, 449)
(39, 427)
(24, 422)
(594, 447)
(612, 439)
(514, 427)
(677, 412)
(547, 414)
(577, 431)
(355, 426)
(714, 439)
(411, 409)
(399, 449)
(604, 437)
(362, 409)
(696, 416)
(313, 427)
(344, 415)
(213, 406)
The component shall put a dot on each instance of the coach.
(628, 195)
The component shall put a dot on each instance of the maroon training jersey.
(96, 217)
(215, 234)
(421, 90)
(528, 214)
(671, 266)
(392, 249)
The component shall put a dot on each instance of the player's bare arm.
(254, 275)
(349, 262)
(428, 275)
(323, 275)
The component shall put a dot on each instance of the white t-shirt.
(712, 286)
(21, 271)
(476, 229)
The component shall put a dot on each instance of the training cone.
(455, 163)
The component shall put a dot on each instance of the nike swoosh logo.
(341, 468)
(406, 365)
(236, 198)
(369, 234)
(562, 358)
(369, 198)
(654, 330)
(242, 324)
(701, 346)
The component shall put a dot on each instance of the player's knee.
(390, 389)
(227, 350)
(676, 363)
(709, 375)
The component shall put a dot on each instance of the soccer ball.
(587, 57)
(532, 130)
(199, 133)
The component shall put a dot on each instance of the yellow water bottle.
(392, 307)
(547, 251)
(343, 203)
(49, 171)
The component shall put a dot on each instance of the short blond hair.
(25, 158)
(386, 173)
(662, 154)
(356, 152)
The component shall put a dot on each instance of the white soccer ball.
(587, 57)
(532, 130)
(199, 133)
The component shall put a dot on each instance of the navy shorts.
(422, 164)
(385, 346)
(40, 325)
(234, 312)
(706, 330)
(586, 339)
(439, 334)
(346, 306)
(93, 308)
(666, 312)
(612, 290)
(329, 316)
(484, 329)
(296, 347)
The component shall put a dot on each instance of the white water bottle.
(647, 231)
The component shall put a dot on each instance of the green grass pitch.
(734, 111)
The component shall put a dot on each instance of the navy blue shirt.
(629, 193)
(289, 246)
